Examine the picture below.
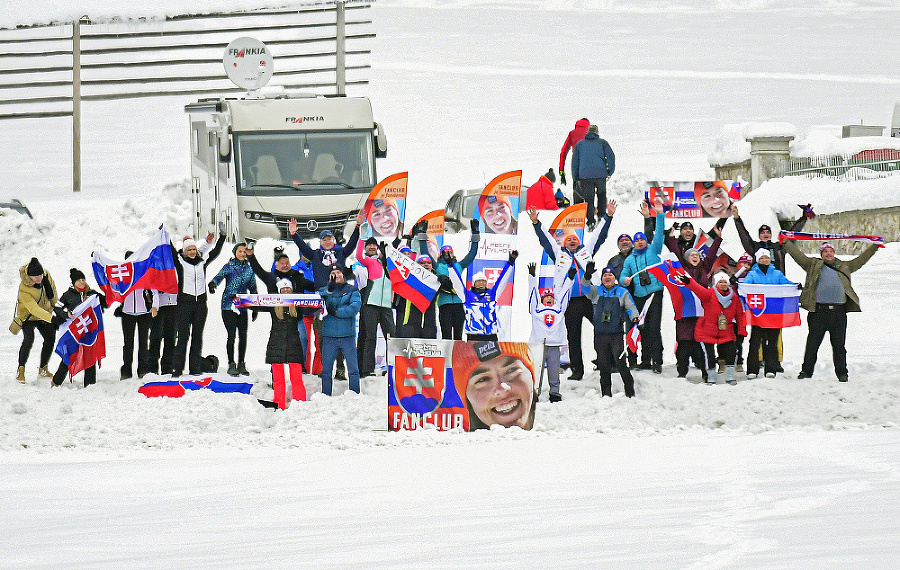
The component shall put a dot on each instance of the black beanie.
(75, 275)
(551, 176)
(34, 268)
(371, 241)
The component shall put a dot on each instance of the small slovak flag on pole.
(634, 335)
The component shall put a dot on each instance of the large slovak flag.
(150, 267)
(178, 387)
(685, 303)
(81, 341)
(410, 280)
(771, 306)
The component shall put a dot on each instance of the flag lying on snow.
(410, 280)
(807, 236)
(771, 306)
(81, 341)
(150, 267)
(685, 303)
(302, 300)
(634, 334)
(176, 388)
(287, 383)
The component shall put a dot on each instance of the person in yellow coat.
(34, 310)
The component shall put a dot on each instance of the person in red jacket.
(721, 308)
(540, 195)
(575, 136)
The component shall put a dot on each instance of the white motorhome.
(257, 162)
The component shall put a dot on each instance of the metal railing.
(47, 71)
(868, 164)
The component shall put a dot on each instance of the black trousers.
(191, 321)
(831, 319)
(480, 337)
(768, 339)
(452, 317)
(235, 327)
(688, 350)
(48, 332)
(726, 351)
(140, 324)
(163, 334)
(651, 334)
(579, 309)
(370, 319)
(90, 375)
(610, 348)
(587, 190)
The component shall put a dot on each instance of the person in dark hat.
(77, 294)
(34, 310)
(593, 163)
(342, 304)
(239, 279)
(614, 308)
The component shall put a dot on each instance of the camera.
(644, 278)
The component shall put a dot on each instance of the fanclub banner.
(434, 233)
(447, 384)
(498, 214)
(688, 200)
(385, 208)
(302, 300)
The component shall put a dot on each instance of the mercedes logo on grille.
(312, 225)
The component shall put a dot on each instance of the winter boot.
(721, 369)
(44, 373)
(233, 369)
(739, 367)
(242, 369)
(729, 375)
(712, 376)
(21, 376)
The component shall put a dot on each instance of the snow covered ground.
(775, 473)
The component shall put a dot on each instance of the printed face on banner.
(384, 217)
(686, 200)
(498, 383)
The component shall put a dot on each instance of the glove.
(254, 314)
(212, 288)
(800, 286)
(221, 228)
(807, 211)
(562, 177)
(446, 284)
(684, 278)
(473, 224)
(118, 311)
(573, 271)
(589, 269)
(382, 247)
(637, 323)
(512, 256)
(531, 268)
(331, 284)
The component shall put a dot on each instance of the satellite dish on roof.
(248, 63)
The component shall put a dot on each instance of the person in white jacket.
(548, 323)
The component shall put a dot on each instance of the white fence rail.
(863, 165)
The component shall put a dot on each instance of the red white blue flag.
(771, 306)
(81, 341)
(410, 280)
(177, 388)
(633, 338)
(685, 303)
(150, 267)
(807, 236)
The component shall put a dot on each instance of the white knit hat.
(282, 283)
(188, 242)
(479, 276)
(720, 276)
(763, 252)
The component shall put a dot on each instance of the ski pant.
(767, 340)
(551, 363)
(687, 350)
(587, 190)
(90, 374)
(371, 318)
(235, 326)
(726, 351)
(317, 358)
(610, 349)
(140, 324)
(452, 317)
(651, 334)
(739, 346)
(480, 337)
(192, 313)
(330, 347)
(163, 333)
(831, 319)
(579, 309)
(48, 332)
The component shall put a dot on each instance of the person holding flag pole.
(76, 356)
(547, 308)
(764, 273)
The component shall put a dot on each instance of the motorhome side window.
(293, 160)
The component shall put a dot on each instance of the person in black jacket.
(62, 311)
(191, 309)
(765, 235)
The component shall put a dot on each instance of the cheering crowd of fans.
(359, 298)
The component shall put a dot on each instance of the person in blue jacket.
(764, 273)
(342, 304)
(239, 278)
(451, 312)
(647, 288)
(593, 162)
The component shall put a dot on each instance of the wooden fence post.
(76, 105)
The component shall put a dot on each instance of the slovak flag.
(771, 306)
(81, 341)
(633, 338)
(685, 303)
(410, 280)
(150, 267)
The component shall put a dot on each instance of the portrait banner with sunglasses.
(498, 214)
(690, 200)
(570, 221)
(434, 233)
(447, 384)
(385, 208)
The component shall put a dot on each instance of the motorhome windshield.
(267, 161)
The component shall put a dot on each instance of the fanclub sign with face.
(385, 208)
